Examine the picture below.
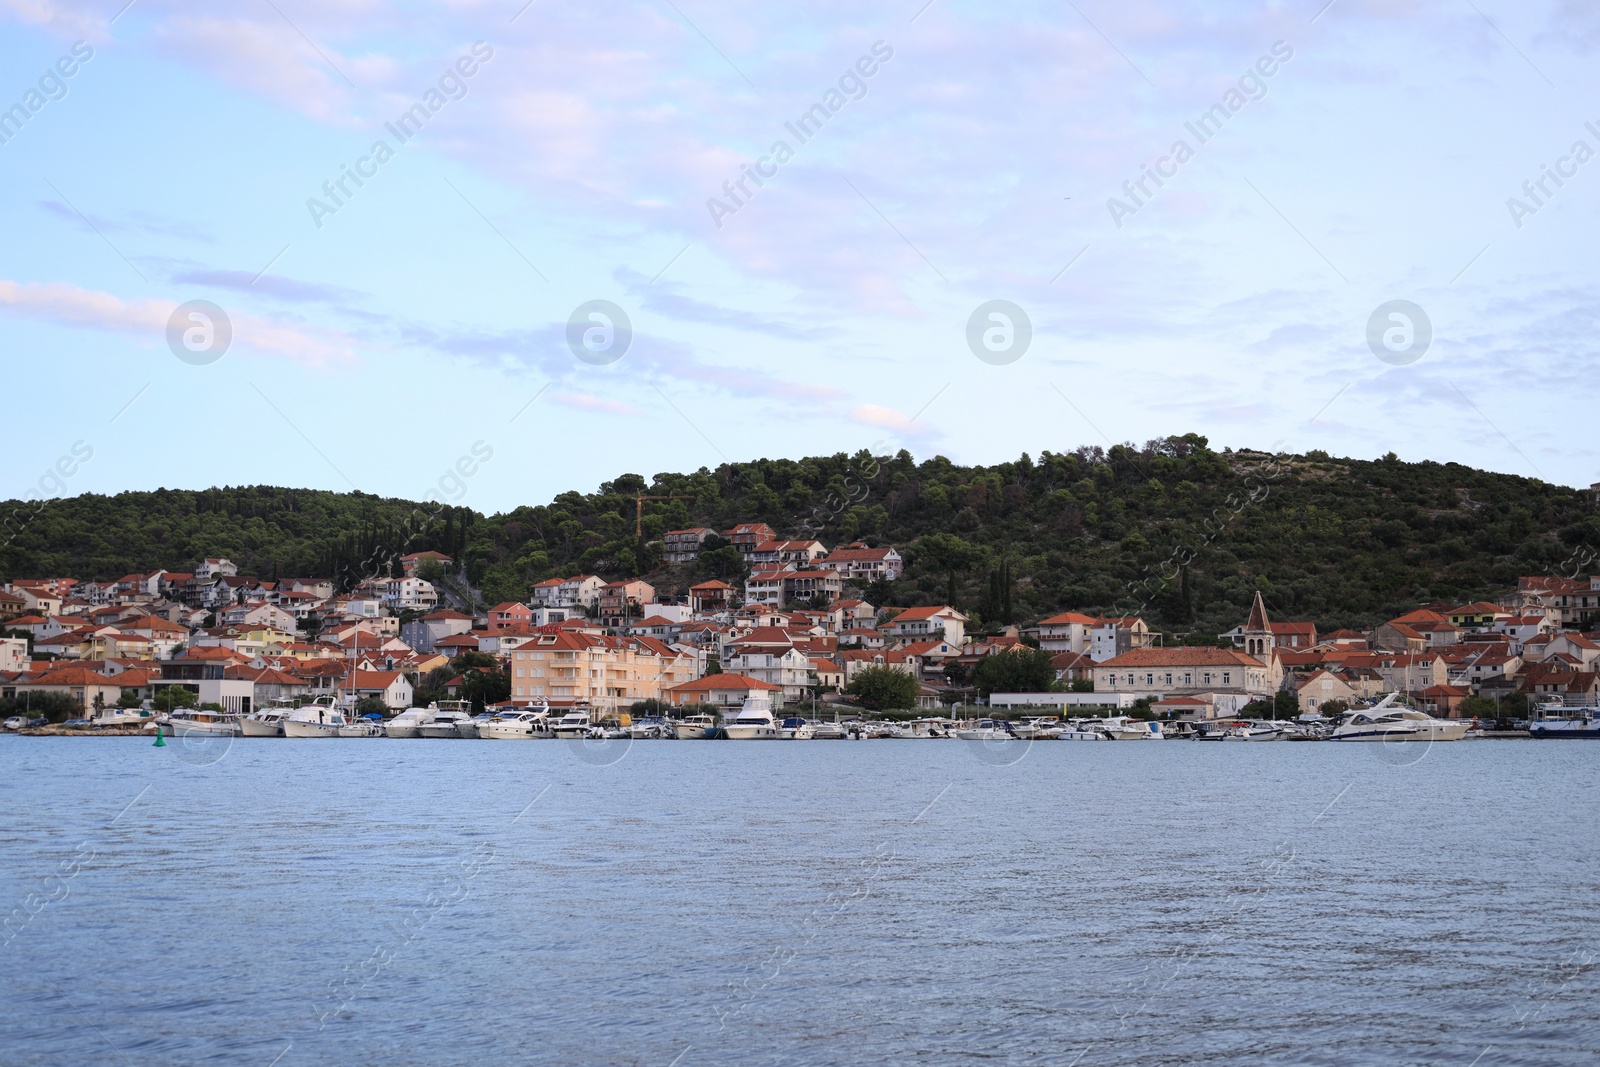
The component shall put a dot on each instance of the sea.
(273, 902)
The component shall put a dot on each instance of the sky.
(1286, 226)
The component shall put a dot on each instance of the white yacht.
(196, 722)
(115, 716)
(573, 725)
(405, 724)
(1386, 721)
(1558, 720)
(363, 726)
(650, 728)
(323, 718)
(518, 724)
(695, 727)
(1136, 730)
(754, 721)
(1085, 730)
(266, 721)
(989, 730)
(827, 731)
(446, 720)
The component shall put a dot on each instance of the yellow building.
(609, 673)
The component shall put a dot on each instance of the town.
(798, 632)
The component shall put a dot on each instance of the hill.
(1172, 530)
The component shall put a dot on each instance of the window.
(1225, 677)
(1169, 679)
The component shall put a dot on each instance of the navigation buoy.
(159, 742)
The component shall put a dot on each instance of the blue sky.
(375, 343)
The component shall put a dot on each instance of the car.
(38, 722)
(78, 722)
(16, 722)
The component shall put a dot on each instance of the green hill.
(1173, 530)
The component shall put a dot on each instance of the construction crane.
(638, 510)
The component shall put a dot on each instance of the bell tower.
(1258, 640)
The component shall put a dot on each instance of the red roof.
(721, 681)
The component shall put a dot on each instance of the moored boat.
(755, 721)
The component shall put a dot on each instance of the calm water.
(382, 902)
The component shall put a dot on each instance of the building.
(581, 591)
(747, 535)
(1160, 672)
(1067, 632)
(683, 546)
(509, 615)
(1111, 637)
(916, 624)
(412, 560)
(789, 670)
(608, 673)
(726, 692)
(709, 597)
(620, 601)
(860, 564)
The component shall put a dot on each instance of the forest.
(1172, 530)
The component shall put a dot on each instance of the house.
(85, 687)
(1165, 671)
(747, 535)
(621, 600)
(917, 623)
(12, 605)
(858, 563)
(425, 632)
(683, 546)
(727, 692)
(391, 687)
(800, 553)
(709, 597)
(1443, 701)
(789, 670)
(854, 613)
(1477, 616)
(412, 560)
(408, 594)
(765, 587)
(580, 591)
(216, 568)
(1397, 637)
(1323, 687)
(1111, 637)
(509, 615)
(1067, 632)
(1072, 666)
(826, 674)
(13, 654)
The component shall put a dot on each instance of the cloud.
(661, 298)
(896, 421)
(274, 285)
(586, 402)
(68, 305)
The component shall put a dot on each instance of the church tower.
(1258, 640)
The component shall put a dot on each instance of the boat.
(1558, 720)
(473, 727)
(651, 728)
(446, 720)
(989, 730)
(1240, 730)
(1386, 721)
(1137, 730)
(754, 721)
(405, 724)
(695, 727)
(322, 718)
(266, 721)
(1085, 730)
(364, 726)
(518, 724)
(794, 728)
(827, 731)
(574, 725)
(116, 717)
(197, 722)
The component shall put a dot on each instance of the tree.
(649, 707)
(169, 697)
(1081, 685)
(713, 666)
(884, 688)
(1015, 670)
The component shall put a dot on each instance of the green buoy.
(159, 742)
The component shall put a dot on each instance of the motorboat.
(518, 724)
(695, 727)
(446, 720)
(609, 730)
(651, 728)
(406, 723)
(1558, 720)
(322, 718)
(266, 721)
(574, 725)
(827, 731)
(989, 730)
(198, 722)
(1240, 730)
(363, 726)
(1085, 730)
(473, 727)
(118, 717)
(1136, 730)
(755, 721)
(1386, 721)
(795, 728)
